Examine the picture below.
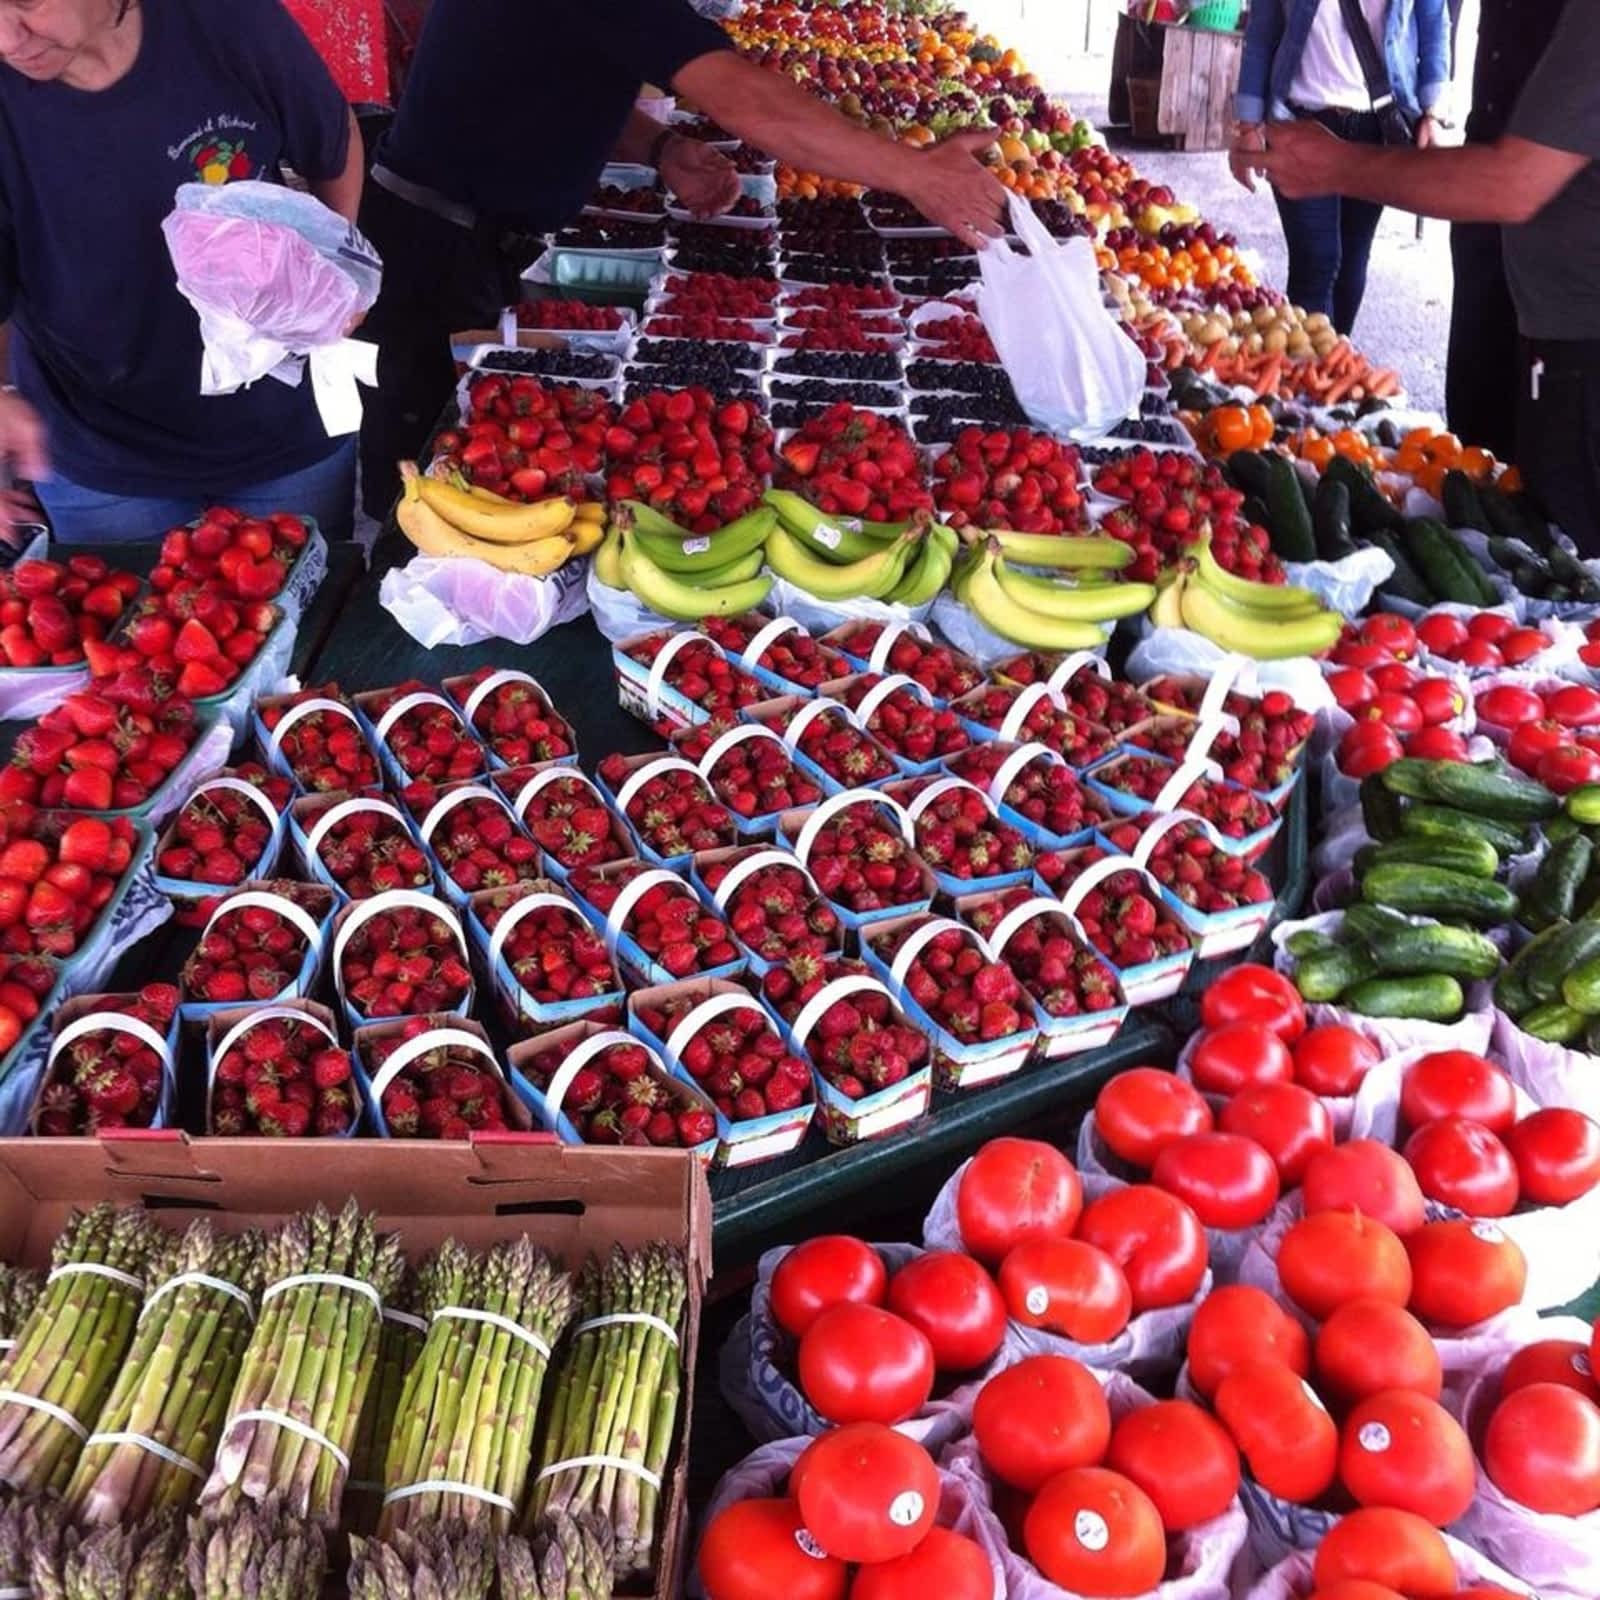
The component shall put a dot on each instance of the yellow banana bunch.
(989, 599)
(1269, 622)
(433, 536)
(487, 516)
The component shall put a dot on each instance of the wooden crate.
(1199, 74)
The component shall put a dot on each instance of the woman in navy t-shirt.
(106, 107)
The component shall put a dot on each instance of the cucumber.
(1439, 892)
(1366, 922)
(1591, 1036)
(1505, 796)
(1308, 942)
(1462, 508)
(1470, 854)
(1368, 508)
(1580, 989)
(1430, 997)
(1330, 520)
(1441, 561)
(1553, 894)
(1382, 811)
(1511, 991)
(1572, 946)
(1562, 827)
(1553, 1022)
(1248, 470)
(1405, 582)
(1450, 823)
(1583, 805)
(1327, 974)
(1460, 952)
(1514, 516)
(1290, 527)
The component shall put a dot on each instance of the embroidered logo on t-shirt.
(217, 150)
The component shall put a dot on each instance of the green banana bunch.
(871, 578)
(675, 549)
(681, 599)
(823, 536)
(928, 571)
(1265, 635)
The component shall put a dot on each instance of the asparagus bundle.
(142, 1562)
(70, 1348)
(173, 1389)
(617, 1399)
(28, 1523)
(468, 1408)
(19, 1293)
(399, 1345)
(297, 1401)
(439, 1562)
(244, 1551)
(569, 1558)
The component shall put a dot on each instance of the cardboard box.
(571, 1201)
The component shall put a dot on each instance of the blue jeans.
(325, 491)
(1330, 237)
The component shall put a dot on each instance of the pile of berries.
(1247, 758)
(569, 822)
(776, 911)
(553, 953)
(855, 464)
(575, 315)
(696, 325)
(1189, 864)
(24, 983)
(193, 638)
(959, 835)
(1064, 978)
(229, 554)
(525, 440)
(945, 673)
(1075, 739)
(1114, 705)
(368, 851)
(51, 611)
(845, 297)
(56, 874)
(862, 862)
(958, 338)
(253, 953)
(861, 1045)
(480, 845)
(738, 1060)
(1121, 916)
(673, 812)
(1168, 500)
(284, 1078)
(718, 295)
(667, 922)
(324, 750)
(906, 724)
(753, 778)
(428, 741)
(109, 1078)
(795, 656)
(447, 1092)
(221, 835)
(973, 999)
(403, 961)
(1015, 479)
(515, 719)
(834, 743)
(1045, 792)
(619, 1096)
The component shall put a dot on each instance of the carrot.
(1270, 373)
(1208, 357)
(1340, 387)
(1385, 382)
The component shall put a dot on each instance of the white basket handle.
(365, 910)
(514, 914)
(942, 786)
(630, 893)
(840, 989)
(305, 709)
(348, 808)
(642, 775)
(109, 1022)
(879, 692)
(295, 915)
(716, 1005)
(496, 680)
(1026, 700)
(1072, 665)
(886, 639)
(747, 865)
(670, 646)
(239, 786)
(1233, 670)
(834, 804)
(1163, 825)
(908, 952)
(409, 702)
(807, 714)
(446, 803)
(1190, 770)
(1018, 916)
(580, 1056)
(541, 780)
(766, 635)
(1016, 764)
(724, 742)
(421, 1045)
(1096, 872)
(245, 1024)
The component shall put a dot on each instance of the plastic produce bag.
(619, 613)
(456, 600)
(1347, 585)
(1550, 1074)
(278, 280)
(1290, 1579)
(816, 615)
(1178, 650)
(1076, 373)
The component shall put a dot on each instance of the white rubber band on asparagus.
(294, 1425)
(907, 953)
(1017, 763)
(806, 840)
(348, 808)
(1027, 699)
(766, 635)
(663, 659)
(201, 1280)
(723, 743)
(628, 896)
(879, 692)
(24, 1593)
(542, 780)
(404, 1319)
(305, 709)
(616, 1463)
(923, 798)
(410, 702)
(110, 1022)
(447, 1486)
(96, 1269)
(297, 916)
(493, 1319)
(365, 910)
(239, 786)
(517, 910)
(496, 680)
(335, 1280)
(56, 1413)
(447, 803)
(642, 775)
(173, 1458)
(406, 1053)
(717, 1005)
(616, 1319)
(1188, 773)
(754, 862)
(886, 639)
(1072, 665)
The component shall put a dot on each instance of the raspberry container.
(636, 966)
(189, 896)
(957, 1064)
(91, 1013)
(1102, 778)
(520, 785)
(357, 913)
(225, 1026)
(790, 715)
(745, 860)
(917, 795)
(575, 1045)
(315, 927)
(311, 816)
(639, 771)
(799, 830)
(741, 1143)
(519, 1010)
(469, 697)
(448, 1029)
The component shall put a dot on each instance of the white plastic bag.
(456, 600)
(1290, 1579)
(1177, 650)
(277, 278)
(1346, 585)
(1076, 373)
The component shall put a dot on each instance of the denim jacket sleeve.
(1261, 39)
(1433, 51)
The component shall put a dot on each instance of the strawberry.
(855, 463)
(795, 657)
(108, 1078)
(861, 862)
(625, 1097)
(1169, 500)
(429, 741)
(554, 955)
(972, 998)
(672, 813)
(283, 1078)
(448, 1092)
(959, 834)
(252, 952)
(905, 723)
(667, 922)
(788, 986)
(776, 911)
(1189, 866)
(1015, 479)
(403, 962)
(478, 842)
(835, 745)
(567, 818)
(702, 674)
(1122, 916)
(1046, 721)
(1112, 704)
(738, 1059)
(515, 720)
(1045, 792)
(50, 614)
(367, 851)
(220, 836)
(526, 441)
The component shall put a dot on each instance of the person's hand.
(1244, 153)
(24, 452)
(1427, 131)
(950, 186)
(705, 181)
(1302, 159)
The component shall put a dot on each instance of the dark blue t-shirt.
(102, 342)
(512, 107)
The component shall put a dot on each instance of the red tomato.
(1394, 632)
(1464, 1166)
(945, 1564)
(1290, 1123)
(1478, 655)
(1225, 1059)
(1366, 748)
(1353, 653)
(1015, 1189)
(1567, 768)
(1508, 705)
(1388, 1547)
(1066, 1286)
(1369, 1176)
(1406, 1451)
(1331, 1060)
(1141, 1111)
(1442, 632)
(867, 1493)
(1253, 993)
(1438, 699)
(1351, 687)
(863, 1364)
(1282, 1429)
(1564, 1361)
(1393, 677)
(1437, 744)
(1589, 654)
(1154, 1237)
(1557, 1152)
(1574, 705)
(1368, 1346)
(1492, 626)
(1237, 1325)
(1228, 1180)
(1397, 712)
(1336, 1256)
(954, 1302)
(754, 1549)
(821, 1273)
(1040, 1417)
(1182, 1458)
(1457, 1083)
(1463, 1272)
(1531, 741)
(1355, 1589)
(1523, 644)
(1542, 1449)
(1094, 1532)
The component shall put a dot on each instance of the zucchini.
(1511, 991)
(1575, 944)
(1290, 527)
(1553, 1022)
(1382, 811)
(1441, 561)
(1308, 942)
(1413, 948)
(1439, 892)
(1248, 470)
(1405, 582)
(1583, 805)
(1429, 997)
(1506, 796)
(1450, 823)
(1514, 516)
(1462, 508)
(1328, 973)
(1330, 520)
(1580, 989)
(1470, 854)
(1369, 509)
(1553, 894)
